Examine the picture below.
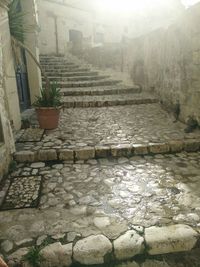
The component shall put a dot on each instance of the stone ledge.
(98, 249)
(121, 150)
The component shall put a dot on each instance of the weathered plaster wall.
(8, 97)
(8, 72)
(166, 60)
(31, 41)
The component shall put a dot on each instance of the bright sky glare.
(126, 6)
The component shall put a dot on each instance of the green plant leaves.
(50, 99)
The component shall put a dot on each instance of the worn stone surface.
(57, 255)
(7, 246)
(128, 245)
(175, 238)
(92, 250)
(107, 196)
(154, 263)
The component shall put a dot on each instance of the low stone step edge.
(98, 249)
(102, 151)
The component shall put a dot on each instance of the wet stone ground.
(107, 196)
(136, 124)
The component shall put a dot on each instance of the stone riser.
(60, 67)
(102, 92)
(66, 70)
(77, 79)
(124, 150)
(87, 84)
(93, 104)
(72, 74)
(56, 63)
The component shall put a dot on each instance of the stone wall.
(9, 104)
(55, 22)
(166, 60)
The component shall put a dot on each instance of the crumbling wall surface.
(168, 61)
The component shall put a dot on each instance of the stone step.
(87, 83)
(66, 70)
(62, 67)
(72, 74)
(54, 152)
(107, 100)
(78, 78)
(101, 90)
(56, 63)
(144, 129)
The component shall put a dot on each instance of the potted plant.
(49, 102)
(48, 107)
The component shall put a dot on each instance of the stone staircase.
(102, 117)
(101, 90)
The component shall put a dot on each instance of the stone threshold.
(108, 103)
(122, 150)
(98, 249)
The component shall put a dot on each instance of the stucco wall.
(166, 60)
(9, 78)
(7, 97)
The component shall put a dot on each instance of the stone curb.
(98, 249)
(123, 150)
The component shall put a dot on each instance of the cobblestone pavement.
(114, 125)
(107, 196)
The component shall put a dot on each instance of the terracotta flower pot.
(48, 117)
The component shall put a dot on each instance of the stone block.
(176, 146)
(57, 255)
(85, 153)
(123, 150)
(128, 245)
(92, 249)
(47, 155)
(102, 151)
(140, 149)
(25, 156)
(191, 145)
(170, 239)
(128, 264)
(66, 154)
(154, 263)
(158, 148)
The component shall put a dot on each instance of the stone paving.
(109, 197)
(107, 131)
(118, 182)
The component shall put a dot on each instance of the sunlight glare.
(126, 6)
